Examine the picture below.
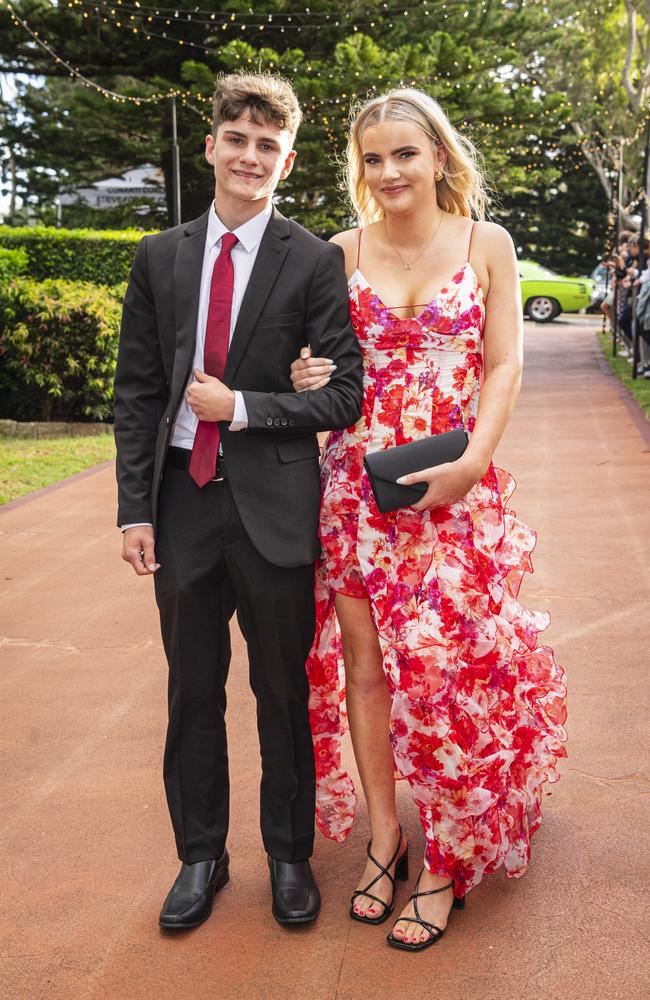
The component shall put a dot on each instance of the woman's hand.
(447, 483)
(311, 373)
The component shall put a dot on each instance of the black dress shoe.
(190, 899)
(296, 899)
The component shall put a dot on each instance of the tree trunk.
(601, 164)
(14, 185)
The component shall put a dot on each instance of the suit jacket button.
(167, 421)
(284, 421)
(276, 422)
(269, 421)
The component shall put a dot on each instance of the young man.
(218, 482)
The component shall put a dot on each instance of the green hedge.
(12, 263)
(58, 347)
(103, 257)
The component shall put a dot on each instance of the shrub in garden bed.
(101, 256)
(58, 347)
(12, 263)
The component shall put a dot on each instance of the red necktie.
(203, 461)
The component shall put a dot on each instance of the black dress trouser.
(209, 569)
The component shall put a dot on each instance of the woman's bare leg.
(606, 309)
(368, 704)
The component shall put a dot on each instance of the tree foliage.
(514, 76)
(602, 63)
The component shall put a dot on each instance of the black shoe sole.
(458, 904)
(294, 920)
(222, 880)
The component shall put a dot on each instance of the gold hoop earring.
(439, 175)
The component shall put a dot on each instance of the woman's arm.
(503, 347)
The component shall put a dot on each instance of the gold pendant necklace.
(407, 265)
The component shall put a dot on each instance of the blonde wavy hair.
(462, 190)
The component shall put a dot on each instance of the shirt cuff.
(136, 524)
(239, 420)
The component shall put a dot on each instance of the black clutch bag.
(384, 467)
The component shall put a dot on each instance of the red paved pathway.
(86, 847)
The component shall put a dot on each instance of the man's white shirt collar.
(249, 234)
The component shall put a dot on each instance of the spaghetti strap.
(359, 248)
(469, 245)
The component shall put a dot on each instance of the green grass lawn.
(27, 464)
(638, 387)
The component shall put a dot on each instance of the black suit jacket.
(296, 295)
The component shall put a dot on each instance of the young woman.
(444, 681)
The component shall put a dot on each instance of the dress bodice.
(421, 374)
(452, 321)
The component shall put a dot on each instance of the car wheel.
(542, 309)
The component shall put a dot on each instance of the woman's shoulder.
(492, 254)
(348, 241)
(492, 251)
(491, 237)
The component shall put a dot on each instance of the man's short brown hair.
(269, 99)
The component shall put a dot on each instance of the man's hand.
(138, 549)
(209, 398)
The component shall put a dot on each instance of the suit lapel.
(187, 289)
(270, 257)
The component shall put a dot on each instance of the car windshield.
(530, 269)
(538, 269)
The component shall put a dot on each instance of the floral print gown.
(478, 706)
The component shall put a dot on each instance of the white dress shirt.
(243, 257)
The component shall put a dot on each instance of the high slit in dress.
(477, 706)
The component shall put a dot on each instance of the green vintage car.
(544, 294)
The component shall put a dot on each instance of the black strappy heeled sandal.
(401, 873)
(435, 933)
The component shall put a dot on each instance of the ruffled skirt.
(478, 707)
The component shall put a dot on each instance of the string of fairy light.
(136, 26)
(291, 20)
(137, 18)
(281, 21)
(250, 20)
